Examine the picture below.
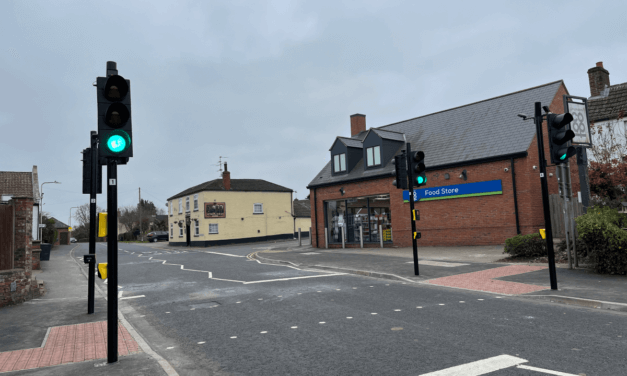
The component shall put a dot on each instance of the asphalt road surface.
(214, 311)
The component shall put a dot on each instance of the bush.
(531, 245)
(602, 231)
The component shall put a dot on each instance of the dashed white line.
(349, 318)
(294, 327)
(133, 297)
(234, 337)
(322, 322)
(264, 332)
(201, 342)
(397, 310)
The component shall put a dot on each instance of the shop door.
(6, 237)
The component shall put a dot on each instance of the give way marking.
(482, 367)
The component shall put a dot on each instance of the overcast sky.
(269, 84)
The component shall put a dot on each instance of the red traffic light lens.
(116, 88)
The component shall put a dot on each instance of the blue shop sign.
(483, 188)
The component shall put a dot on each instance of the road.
(215, 311)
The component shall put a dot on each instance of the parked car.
(72, 240)
(155, 236)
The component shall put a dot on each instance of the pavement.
(469, 268)
(54, 335)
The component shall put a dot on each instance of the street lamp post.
(74, 207)
(41, 202)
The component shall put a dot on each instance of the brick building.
(482, 152)
(19, 253)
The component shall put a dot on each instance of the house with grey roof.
(301, 211)
(227, 211)
(483, 183)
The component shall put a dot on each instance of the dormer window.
(339, 162)
(373, 156)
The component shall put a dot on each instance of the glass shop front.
(370, 213)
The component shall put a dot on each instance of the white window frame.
(215, 227)
(373, 156)
(196, 227)
(180, 232)
(339, 162)
(180, 205)
(196, 202)
(255, 208)
(187, 204)
(171, 230)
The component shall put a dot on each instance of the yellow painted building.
(225, 211)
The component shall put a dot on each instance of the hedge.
(531, 245)
(601, 228)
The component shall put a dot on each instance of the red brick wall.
(483, 220)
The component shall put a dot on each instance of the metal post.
(545, 196)
(310, 237)
(361, 236)
(381, 235)
(410, 184)
(561, 178)
(326, 238)
(343, 243)
(112, 261)
(571, 211)
(299, 241)
(93, 189)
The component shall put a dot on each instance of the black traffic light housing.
(115, 127)
(559, 137)
(400, 167)
(87, 173)
(418, 168)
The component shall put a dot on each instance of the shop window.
(367, 213)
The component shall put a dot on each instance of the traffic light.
(559, 136)
(418, 168)
(401, 172)
(114, 114)
(87, 173)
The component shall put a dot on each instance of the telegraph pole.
(140, 214)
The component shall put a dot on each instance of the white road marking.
(133, 297)
(120, 294)
(418, 307)
(545, 371)
(438, 263)
(461, 301)
(322, 322)
(373, 313)
(349, 318)
(294, 327)
(237, 302)
(480, 367)
(441, 303)
(169, 348)
(287, 279)
(201, 342)
(234, 337)
(264, 332)
(397, 310)
(479, 299)
(222, 254)
(167, 312)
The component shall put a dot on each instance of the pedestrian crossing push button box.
(88, 259)
(102, 270)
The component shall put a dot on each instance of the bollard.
(310, 237)
(343, 245)
(361, 236)
(326, 238)
(381, 235)
(299, 241)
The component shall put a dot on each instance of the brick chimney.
(599, 78)
(358, 124)
(226, 178)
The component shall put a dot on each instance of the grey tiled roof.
(59, 224)
(387, 134)
(302, 208)
(351, 142)
(485, 129)
(18, 184)
(251, 185)
(609, 104)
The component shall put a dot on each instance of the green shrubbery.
(531, 245)
(602, 231)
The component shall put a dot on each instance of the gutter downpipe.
(515, 196)
(316, 217)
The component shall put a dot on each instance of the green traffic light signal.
(117, 141)
(421, 180)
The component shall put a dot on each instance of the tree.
(81, 215)
(48, 233)
(608, 164)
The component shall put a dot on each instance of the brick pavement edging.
(69, 344)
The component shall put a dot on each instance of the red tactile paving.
(69, 344)
(482, 280)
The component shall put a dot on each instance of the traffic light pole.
(545, 196)
(92, 221)
(410, 185)
(112, 260)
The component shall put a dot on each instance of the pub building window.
(368, 212)
(373, 156)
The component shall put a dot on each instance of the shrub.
(602, 231)
(531, 245)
